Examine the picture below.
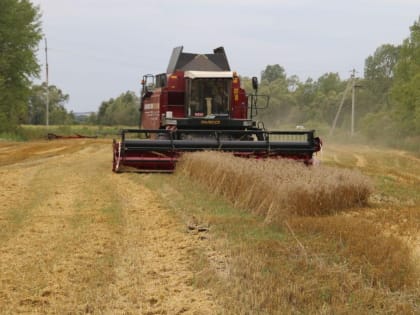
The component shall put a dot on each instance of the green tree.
(92, 119)
(318, 100)
(329, 82)
(272, 73)
(379, 77)
(124, 110)
(405, 91)
(58, 114)
(295, 102)
(380, 66)
(20, 33)
(280, 90)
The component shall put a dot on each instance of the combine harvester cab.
(198, 104)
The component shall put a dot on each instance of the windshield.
(206, 97)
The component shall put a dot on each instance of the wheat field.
(221, 236)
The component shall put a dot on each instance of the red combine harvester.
(198, 104)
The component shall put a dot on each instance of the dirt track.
(76, 238)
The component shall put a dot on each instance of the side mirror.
(255, 83)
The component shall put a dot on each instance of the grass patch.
(400, 191)
(14, 219)
(17, 216)
(260, 233)
(10, 136)
(113, 214)
(395, 173)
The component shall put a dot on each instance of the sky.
(98, 49)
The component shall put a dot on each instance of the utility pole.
(353, 93)
(47, 96)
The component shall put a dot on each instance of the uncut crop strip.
(277, 189)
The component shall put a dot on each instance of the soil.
(77, 238)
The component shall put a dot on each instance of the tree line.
(387, 95)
